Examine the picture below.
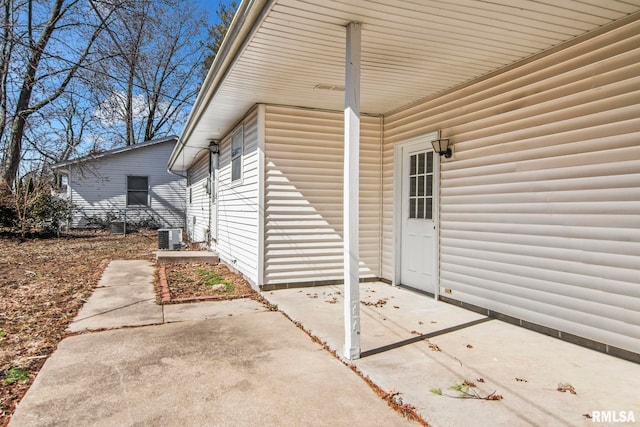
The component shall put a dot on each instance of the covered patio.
(412, 344)
(324, 106)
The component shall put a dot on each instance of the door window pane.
(421, 161)
(421, 185)
(420, 213)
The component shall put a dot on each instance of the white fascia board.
(249, 13)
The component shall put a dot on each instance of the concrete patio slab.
(387, 314)
(523, 366)
(255, 369)
(210, 309)
(124, 297)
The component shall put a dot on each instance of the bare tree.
(58, 132)
(79, 75)
(47, 43)
(217, 32)
(5, 54)
(151, 79)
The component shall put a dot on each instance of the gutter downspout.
(176, 174)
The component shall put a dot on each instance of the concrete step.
(186, 257)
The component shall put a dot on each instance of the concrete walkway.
(234, 363)
(523, 366)
(125, 297)
(223, 363)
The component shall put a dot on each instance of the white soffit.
(411, 49)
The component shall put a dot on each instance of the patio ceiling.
(292, 52)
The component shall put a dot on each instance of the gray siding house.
(128, 183)
(320, 115)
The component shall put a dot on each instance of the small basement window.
(236, 155)
(137, 191)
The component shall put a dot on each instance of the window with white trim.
(137, 191)
(237, 147)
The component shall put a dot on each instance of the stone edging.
(165, 295)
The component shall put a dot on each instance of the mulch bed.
(180, 283)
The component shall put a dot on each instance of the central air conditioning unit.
(170, 238)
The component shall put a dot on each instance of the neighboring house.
(129, 183)
(536, 216)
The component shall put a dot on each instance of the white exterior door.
(419, 242)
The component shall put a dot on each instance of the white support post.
(351, 194)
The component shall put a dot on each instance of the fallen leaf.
(378, 303)
(434, 347)
(587, 416)
(480, 380)
(395, 306)
(522, 380)
(61, 273)
(562, 387)
(420, 323)
(469, 346)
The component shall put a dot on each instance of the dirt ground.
(43, 284)
(189, 281)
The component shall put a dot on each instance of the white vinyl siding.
(198, 199)
(303, 195)
(237, 204)
(98, 187)
(540, 204)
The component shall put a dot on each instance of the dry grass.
(43, 284)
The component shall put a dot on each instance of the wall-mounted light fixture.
(214, 147)
(441, 146)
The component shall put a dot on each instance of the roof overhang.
(291, 52)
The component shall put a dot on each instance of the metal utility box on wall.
(170, 238)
